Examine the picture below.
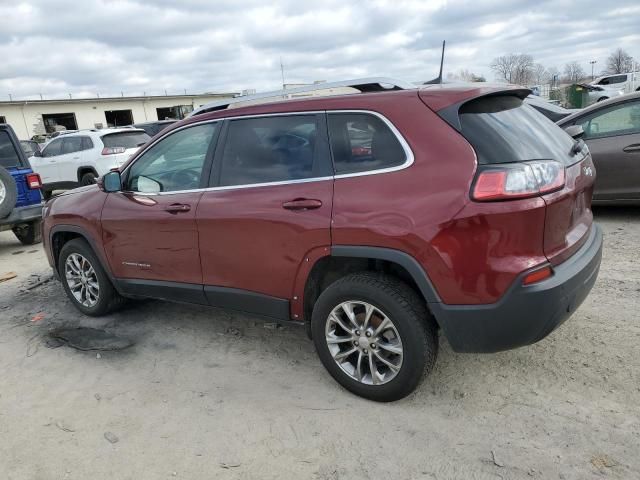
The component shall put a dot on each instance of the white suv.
(79, 158)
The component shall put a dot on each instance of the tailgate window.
(125, 140)
(8, 155)
(504, 129)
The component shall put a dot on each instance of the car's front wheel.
(374, 335)
(88, 178)
(85, 281)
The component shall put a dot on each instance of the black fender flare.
(403, 259)
(62, 228)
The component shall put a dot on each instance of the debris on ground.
(234, 331)
(84, 338)
(111, 437)
(37, 317)
(64, 427)
(602, 461)
(7, 276)
(272, 326)
(229, 465)
(39, 283)
(496, 460)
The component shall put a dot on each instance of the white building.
(37, 117)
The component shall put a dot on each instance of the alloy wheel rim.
(364, 342)
(82, 280)
(3, 191)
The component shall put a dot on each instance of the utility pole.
(592, 62)
(10, 98)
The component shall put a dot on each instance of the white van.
(613, 85)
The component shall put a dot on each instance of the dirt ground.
(206, 393)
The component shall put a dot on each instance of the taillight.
(112, 150)
(507, 181)
(34, 182)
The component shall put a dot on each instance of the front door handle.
(76, 158)
(302, 204)
(177, 208)
(632, 148)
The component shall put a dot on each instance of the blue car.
(20, 198)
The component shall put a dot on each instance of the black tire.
(29, 233)
(47, 194)
(10, 193)
(407, 311)
(88, 178)
(108, 298)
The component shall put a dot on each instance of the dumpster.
(577, 96)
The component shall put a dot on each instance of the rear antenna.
(438, 79)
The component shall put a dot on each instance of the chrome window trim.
(405, 146)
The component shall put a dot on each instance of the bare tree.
(514, 68)
(573, 72)
(466, 76)
(540, 74)
(620, 62)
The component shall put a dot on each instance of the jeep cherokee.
(375, 219)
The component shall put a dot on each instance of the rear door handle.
(632, 148)
(177, 208)
(302, 204)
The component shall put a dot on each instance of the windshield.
(133, 139)
(504, 129)
(8, 155)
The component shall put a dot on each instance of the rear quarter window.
(503, 129)
(8, 155)
(125, 139)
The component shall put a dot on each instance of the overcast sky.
(87, 47)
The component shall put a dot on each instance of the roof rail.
(365, 85)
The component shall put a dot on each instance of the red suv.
(375, 219)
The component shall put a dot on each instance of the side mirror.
(576, 131)
(37, 153)
(111, 182)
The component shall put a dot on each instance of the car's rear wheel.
(374, 335)
(85, 281)
(8, 193)
(29, 233)
(88, 178)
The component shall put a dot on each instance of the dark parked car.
(153, 128)
(612, 132)
(550, 110)
(31, 148)
(20, 198)
(373, 219)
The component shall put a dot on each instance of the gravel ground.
(206, 393)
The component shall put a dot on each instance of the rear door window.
(362, 142)
(126, 140)
(87, 144)
(271, 149)
(8, 155)
(504, 129)
(71, 145)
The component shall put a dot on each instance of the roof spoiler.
(450, 114)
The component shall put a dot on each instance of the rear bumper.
(23, 215)
(525, 314)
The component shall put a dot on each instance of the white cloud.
(136, 46)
